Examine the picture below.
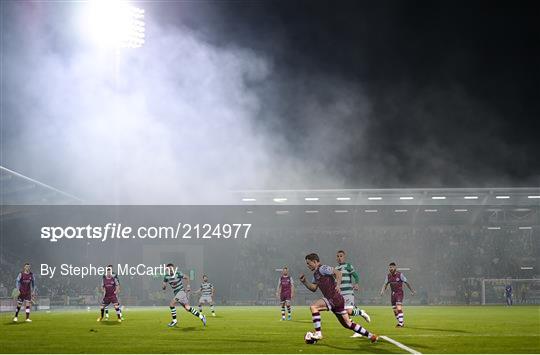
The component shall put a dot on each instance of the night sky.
(305, 94)
(453, 87)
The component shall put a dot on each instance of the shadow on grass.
(110, 323)
(439, 329)
(187, 329)
(370, 348)
(13, 323)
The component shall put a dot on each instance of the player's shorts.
(349, 301)
(181, 297)
(285, 297)
(27, 296)
(109, 299)
(335, 305)
(396, 298)
(207, 299)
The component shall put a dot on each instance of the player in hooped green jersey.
(176, 278)
(348, 287)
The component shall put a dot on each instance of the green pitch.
(494, 329)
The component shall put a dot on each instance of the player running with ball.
(175, 278)
(328, 280)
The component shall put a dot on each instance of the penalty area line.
(399, 345)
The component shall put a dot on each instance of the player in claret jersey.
(285, 292)
(328, 280)
(26, 285)
(396, 280)
(111, 287)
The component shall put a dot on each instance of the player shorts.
(27, 296)
(336, 305)
(207, 299)
(284, 297)
(349, 301)
(181, 297)
(109, 299)
(396, 298)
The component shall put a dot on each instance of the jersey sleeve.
(403, 278)
(18, 281)
(386, 280)
(292, 281)
(33, 282)
(326, 270)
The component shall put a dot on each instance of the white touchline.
(399, 345)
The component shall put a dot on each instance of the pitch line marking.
(399, 345)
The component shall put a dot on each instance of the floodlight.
(115, 23)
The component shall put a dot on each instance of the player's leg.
(289, 313)
(104, 304)
(201, 301)
(17, 310)
(346, 322)
(316, 307)
(107, 312)
(282, 303)
(182, 298)
(212, 309)
(118, 311)
(172, 308)
(28, 304)
(399, 314)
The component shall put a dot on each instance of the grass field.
(490, 329)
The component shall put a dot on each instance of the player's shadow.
(369, 348)
(439, 329)
(110, 323)
(301, 321)
(13, 323)
(187, 329)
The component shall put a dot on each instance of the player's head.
(340, 256)
(312, 261)
(26, 267)
(205, 278)
(109, 270)
(392, 267)
(170, 268)
(285, 271)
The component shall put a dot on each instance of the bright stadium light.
(311, 199)
(406, 198)
(311, 211)
(502, 197)
(430, 210)
(400, 211)
(533, 196)
(248, 199)
(341, 211)
(374, 198)
(525, 228)
(280, 199)
(438, 197)
(494, 228)
(460, 210)
(343, 198)
(526, 268)
(371, 211)
(114, 23)
(471, 197)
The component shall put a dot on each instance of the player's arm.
(406, 282)
(292, 288)
(410, 287)
(18, 281)
(213, 291)
(188, 287)
(33, 285)
(385, 285)
(354, 275)
(338, 275)
(117, 286)
(310, 286)
(278, 289)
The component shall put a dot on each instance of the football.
(309, 339)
